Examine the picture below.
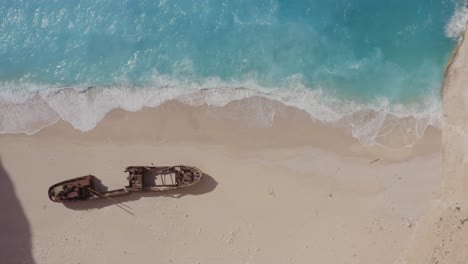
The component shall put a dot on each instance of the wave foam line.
(28, 109)
(456, 25)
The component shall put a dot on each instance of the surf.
(344, 64)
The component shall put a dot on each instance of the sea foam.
(456, 25)
(85, 107)
(377, 76)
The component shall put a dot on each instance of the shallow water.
(334, 59)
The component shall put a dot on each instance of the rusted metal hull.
(140, 179)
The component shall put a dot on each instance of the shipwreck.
(140, 179)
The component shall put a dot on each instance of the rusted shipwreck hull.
(140, 179)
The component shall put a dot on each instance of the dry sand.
(296, 192)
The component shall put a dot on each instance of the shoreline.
(377, 123)
(275, 125)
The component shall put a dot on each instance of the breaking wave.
(331, 60)
(84, 107)
(456, 25)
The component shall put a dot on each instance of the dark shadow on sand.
(15, 234)
(206, 185)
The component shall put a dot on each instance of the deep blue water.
(360, 51)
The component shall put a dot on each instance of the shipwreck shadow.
(15, 234)
(206, 185)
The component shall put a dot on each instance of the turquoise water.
(362, 53)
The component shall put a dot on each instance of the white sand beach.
(296, 192)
